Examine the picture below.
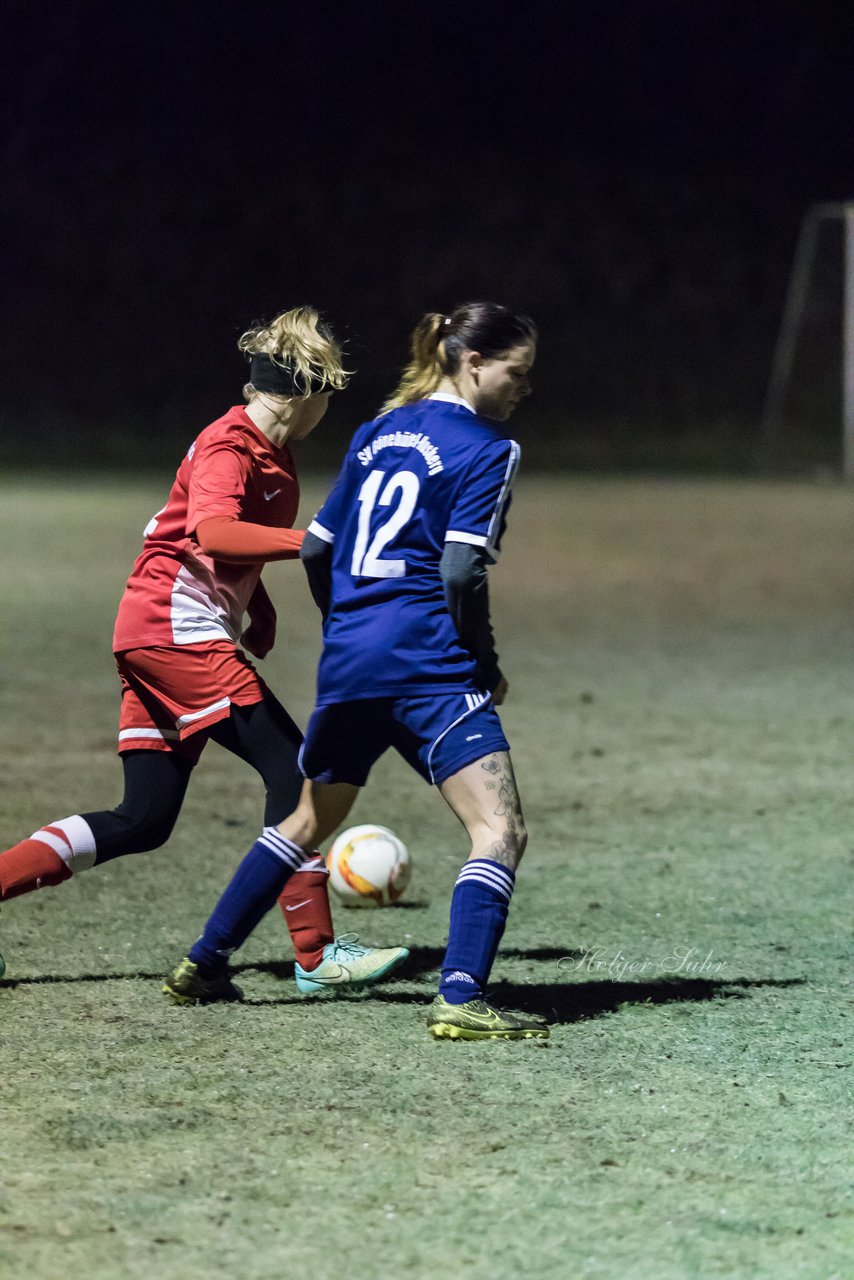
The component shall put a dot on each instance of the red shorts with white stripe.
(171, 693)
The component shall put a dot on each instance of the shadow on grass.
(576, 1001)
(560, 1001)
(421, 961)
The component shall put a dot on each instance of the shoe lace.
(348, 945)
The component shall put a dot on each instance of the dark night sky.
(631, 173)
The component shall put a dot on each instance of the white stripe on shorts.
(473, 701)
(169, 734)
(219, 705)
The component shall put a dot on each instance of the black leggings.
(263, 735)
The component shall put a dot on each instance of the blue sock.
(253, 891)
(478, 914)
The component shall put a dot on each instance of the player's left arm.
(463, 568)
(316, 556)
(472, 543)
(260, 636)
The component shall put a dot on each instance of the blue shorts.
(438, 734)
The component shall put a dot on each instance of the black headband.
(279, 380)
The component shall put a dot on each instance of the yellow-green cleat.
(477, 1020)
(185, 985)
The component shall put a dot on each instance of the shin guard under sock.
(479, 908)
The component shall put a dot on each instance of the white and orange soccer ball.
(369, 866)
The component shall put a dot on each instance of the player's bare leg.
(345, 964)
(267, 738)
(322, 808)
(485, 798)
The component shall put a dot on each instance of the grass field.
(681, 716)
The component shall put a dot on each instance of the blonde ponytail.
(426, 368)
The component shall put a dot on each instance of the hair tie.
(446, 321)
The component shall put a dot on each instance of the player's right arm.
(239, 542)
(316, 550)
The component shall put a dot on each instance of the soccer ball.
(369, 867)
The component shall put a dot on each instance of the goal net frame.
(793, 311)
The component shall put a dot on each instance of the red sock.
(305, 906)
(32, 864)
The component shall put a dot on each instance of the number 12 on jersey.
(367, 561)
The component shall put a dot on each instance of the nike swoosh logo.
(486, 1019)
(333, 979)
(297, 905)
(269, 496)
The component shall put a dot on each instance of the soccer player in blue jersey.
(397, 560)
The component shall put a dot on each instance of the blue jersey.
(420, 476)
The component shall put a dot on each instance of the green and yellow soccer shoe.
(477, 1020)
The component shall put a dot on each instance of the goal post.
(791, 324)
(848, 346)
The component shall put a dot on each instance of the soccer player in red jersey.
(183, 677)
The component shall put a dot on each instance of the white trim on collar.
(449, 399)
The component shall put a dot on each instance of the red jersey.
(176, 594)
